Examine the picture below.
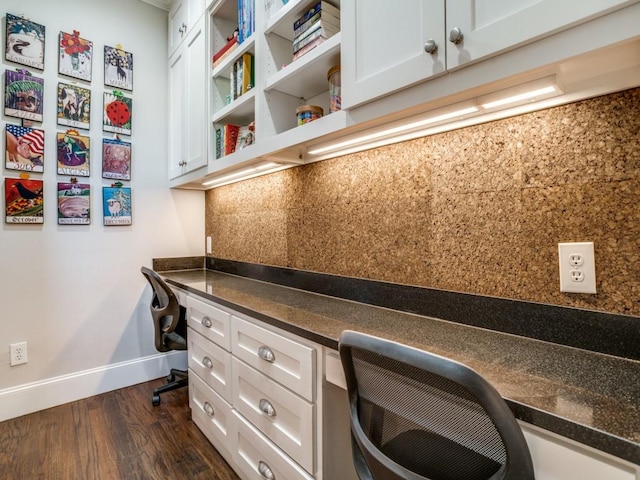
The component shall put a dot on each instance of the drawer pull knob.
(206, 361)
(208, 409)
(206, 321)
(266, 354)
(431, 46)
(265, 471)
(266, 407)
(456, 36)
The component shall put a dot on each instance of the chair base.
(175, 379)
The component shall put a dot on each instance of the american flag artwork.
(24, 148)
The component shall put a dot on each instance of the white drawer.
(255, 452)
(290, 425)
(212, 415)
(286, 361)
(211, 363)
(209, 321)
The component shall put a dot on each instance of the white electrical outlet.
(18, 353)
(209, 250)
(577, 267)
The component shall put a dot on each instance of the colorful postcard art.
(117, 113)
(75, 56)
(74, 204)
(116, 205)
(74, 106)
(73, 154)
(24, 148)
(23, 201)
(118, 68)
(23, 95)
(116, 159)
(25, 42)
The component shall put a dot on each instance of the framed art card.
(74, 203)
(24, 42)
(118, 68)
(24, 148)
(24, 201)
(75, 56)
(74, 106)
(116, 205)
(116, 159)
(73, 153)
(23, 95)
(117, 113)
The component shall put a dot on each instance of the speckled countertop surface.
(589, 397)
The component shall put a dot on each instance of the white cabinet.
(183, 15)
(187, 104)
(253, 393)
(462, 31)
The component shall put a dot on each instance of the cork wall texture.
(478, 210)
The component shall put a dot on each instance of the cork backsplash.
(478, 210)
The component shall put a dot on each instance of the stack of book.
(230, 137)
(314, 27)
(241, 76)
(226, 50)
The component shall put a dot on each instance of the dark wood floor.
(116, 435)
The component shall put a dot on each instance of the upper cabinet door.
(183, 15)
(383, 46)
(488, 27)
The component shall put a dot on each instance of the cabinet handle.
(266, 407)
(265, 471)
(208, 408)
(206, 321)
(206, 361)
(266, 354)
(431, 46)
(455, 35)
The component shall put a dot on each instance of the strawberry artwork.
(118, 113)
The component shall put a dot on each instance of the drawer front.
(209, 321)
(212, 415)
(286, 361)
(256, 456)
(285, 418)
(211, 363)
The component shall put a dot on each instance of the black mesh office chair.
(416, 416)
(170, 324)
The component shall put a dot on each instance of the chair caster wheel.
(155, 400)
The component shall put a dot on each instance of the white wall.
(75, 293)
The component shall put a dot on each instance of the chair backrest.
(165, 310)
(416, 415)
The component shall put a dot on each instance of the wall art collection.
(25, 140)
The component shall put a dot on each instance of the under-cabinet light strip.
(532, 91)
(236, 176)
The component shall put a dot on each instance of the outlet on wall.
(18, 353)
(577, 267)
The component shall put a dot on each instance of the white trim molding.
(163, 4)
(32, 397)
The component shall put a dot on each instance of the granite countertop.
(589, 397)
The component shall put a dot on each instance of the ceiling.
(163, 4)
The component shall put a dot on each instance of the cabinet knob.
(266, 354)
(266, 407)
(206, 361)
(265, 471)
(208, 408)
(206, 321)
(431, 46)
(455, 35)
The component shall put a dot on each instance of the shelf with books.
(222, 69)
(307, 76)
(240, 111)
(281, 23)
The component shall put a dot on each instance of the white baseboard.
(32, 397)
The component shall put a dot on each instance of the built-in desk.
(578, 395)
